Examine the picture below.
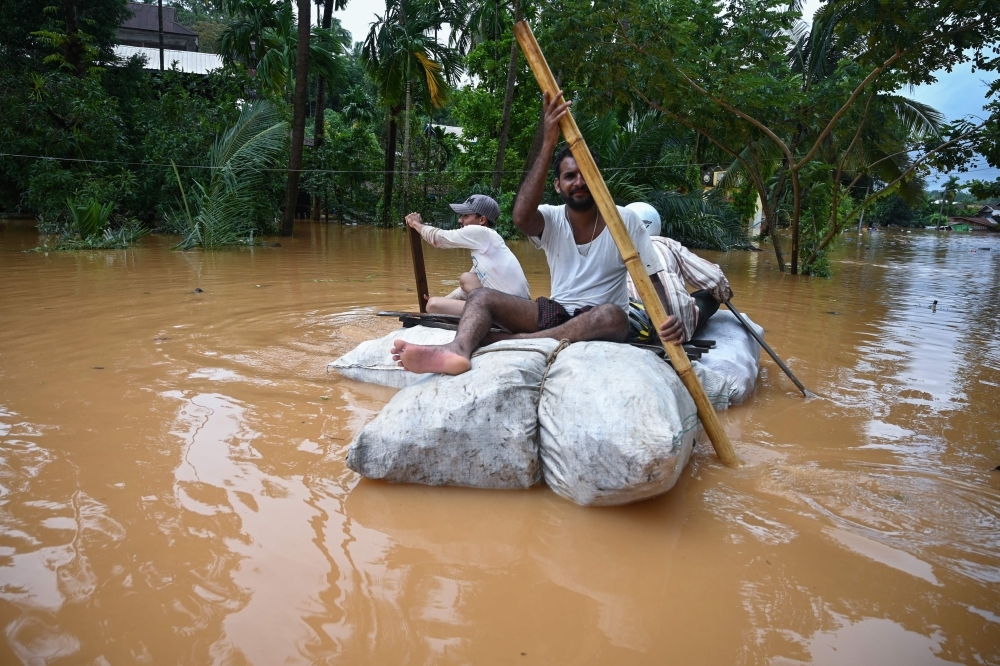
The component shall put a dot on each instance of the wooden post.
(419, 273)
(626, 247)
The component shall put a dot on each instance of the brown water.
(172, 484)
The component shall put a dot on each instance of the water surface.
(173, 488)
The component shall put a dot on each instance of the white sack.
(477, 429)
(371, 361)
(736, 355)
(617, 424)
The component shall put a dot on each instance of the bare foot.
(421, 359)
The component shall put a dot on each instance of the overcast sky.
(958, 94)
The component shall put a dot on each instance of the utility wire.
(384, 171)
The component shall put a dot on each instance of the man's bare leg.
(604, 322)
(484, 307)
(449, 306)
(518, 315)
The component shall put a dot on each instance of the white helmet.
(648, 215)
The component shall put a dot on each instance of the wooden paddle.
(419, 272)
(781, 364)
(626, 247)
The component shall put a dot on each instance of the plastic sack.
(477, 429)
(617, 424)
(736, 355)
(372, 362)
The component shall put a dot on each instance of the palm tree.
(238, 163)
(638, 160)
(399, 55)
(264, 37)
(328, 7)
(486, 20)
(949, 191)
(242, 40)
(298, 111)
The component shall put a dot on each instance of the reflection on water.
(172, 485)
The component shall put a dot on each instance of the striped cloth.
(681, 265)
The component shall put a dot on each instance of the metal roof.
(191, 62)
(144, 17)
(979, 221)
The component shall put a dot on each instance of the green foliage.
(984, 190)
(229, 208)
(265, 38)
(90, 229)
(89, 219)
(110, 138)
(893, 210)
(348, 157)
(661, 91)
(818, 201)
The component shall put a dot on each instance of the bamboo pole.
(419, 272)
(613, 220)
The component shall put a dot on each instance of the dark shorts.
(552, 314)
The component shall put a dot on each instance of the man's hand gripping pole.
(626, 247)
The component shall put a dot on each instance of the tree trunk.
(406, 145)
(73, 49)
(320, 90)
(536, 147)
(508, 101)
(796, 215)
(159, 20)
(427, 156)
(298, 116)
(772, 227)
(390, 167)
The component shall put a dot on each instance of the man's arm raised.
(526, 215)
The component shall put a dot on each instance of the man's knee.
(482, 297)
(612, 320)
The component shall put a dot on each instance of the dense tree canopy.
(809, 121)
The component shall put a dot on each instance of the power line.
(381, 171)
(384, 171)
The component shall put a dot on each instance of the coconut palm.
(487, 20)
(263, 36)
(327, 21)
(639, 161)
(242, 40)
(224, 209)
(401, 56)
(949, 191)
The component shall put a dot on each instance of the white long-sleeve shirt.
(680, 265)
(492, 261)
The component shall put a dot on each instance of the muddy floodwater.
(173, 487)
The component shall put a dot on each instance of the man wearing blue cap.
(493, 264)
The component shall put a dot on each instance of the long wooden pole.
(626, 247)
(419, 272)
(781, 364)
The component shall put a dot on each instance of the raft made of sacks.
(602, 423)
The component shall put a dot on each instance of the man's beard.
(578, 206)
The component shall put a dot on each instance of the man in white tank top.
(494, 266)
(589, 299)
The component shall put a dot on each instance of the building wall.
(148, 39)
